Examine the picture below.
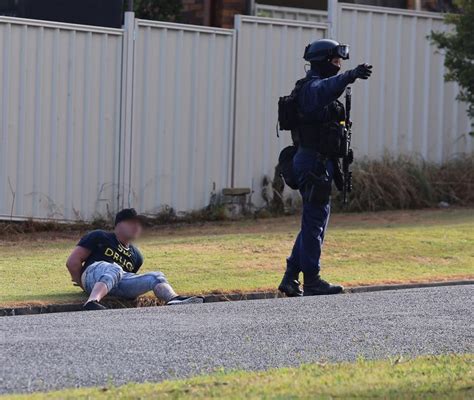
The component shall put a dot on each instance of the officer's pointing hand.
(362, 71)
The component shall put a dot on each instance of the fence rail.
(300, 14)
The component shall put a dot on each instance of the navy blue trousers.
(306, 253)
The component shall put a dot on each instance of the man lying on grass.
(107, 263)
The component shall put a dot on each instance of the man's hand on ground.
(78, 284)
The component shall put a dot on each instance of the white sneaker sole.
(191, 300)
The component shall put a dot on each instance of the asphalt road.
(43, 352)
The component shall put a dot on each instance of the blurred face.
(337, 62)
(129, 230)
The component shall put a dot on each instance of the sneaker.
(185, 300)
(93, 306)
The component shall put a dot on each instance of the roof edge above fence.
(60, 25)
(390, 10)
(183, 27)
(279, 21)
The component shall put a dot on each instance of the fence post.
(235, 44)
(125, 149)
(332, 19)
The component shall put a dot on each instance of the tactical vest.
(327, 137)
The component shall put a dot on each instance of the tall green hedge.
(458, 46)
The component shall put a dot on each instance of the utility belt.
(329, 140)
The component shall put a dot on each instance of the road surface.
(52, 351)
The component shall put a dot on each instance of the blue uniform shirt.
(318, 93)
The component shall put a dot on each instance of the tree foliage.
(159, 10)
(458, 46)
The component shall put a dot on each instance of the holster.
(317, 186)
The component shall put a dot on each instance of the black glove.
(362, 71)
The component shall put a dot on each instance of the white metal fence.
(182, 115)
(269, 62)
(405, 107)
(60, 119)
(165, 114)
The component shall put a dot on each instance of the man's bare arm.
(75, 261)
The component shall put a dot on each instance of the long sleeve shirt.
(318, 93)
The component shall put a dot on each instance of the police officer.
(319, 113)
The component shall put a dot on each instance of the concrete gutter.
(214, 298)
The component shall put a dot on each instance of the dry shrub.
(402, 183)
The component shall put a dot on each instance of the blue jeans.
(306, 252)
(119, 283)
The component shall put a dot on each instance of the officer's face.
(337, 61)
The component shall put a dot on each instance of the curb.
(216, 298)
(401, 286)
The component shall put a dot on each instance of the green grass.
(249, 255)
(441, 377)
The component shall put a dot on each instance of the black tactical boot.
(289, 284)
(315, 286)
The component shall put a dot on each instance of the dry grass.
(409, 183)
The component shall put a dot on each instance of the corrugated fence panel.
(60, 115)
(405, 107)
(182, 115)
(300, 14)
(269, 62)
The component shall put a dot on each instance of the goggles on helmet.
(342, 51)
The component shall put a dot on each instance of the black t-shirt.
(105, 246)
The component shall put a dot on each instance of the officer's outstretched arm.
(325, 91)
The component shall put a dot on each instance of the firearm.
(349, 154)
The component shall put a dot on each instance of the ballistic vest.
(315, 132)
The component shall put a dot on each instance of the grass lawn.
(368, 248)
(442, 377)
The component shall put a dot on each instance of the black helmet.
(325, 49)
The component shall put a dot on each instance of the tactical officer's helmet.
(325, 49)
